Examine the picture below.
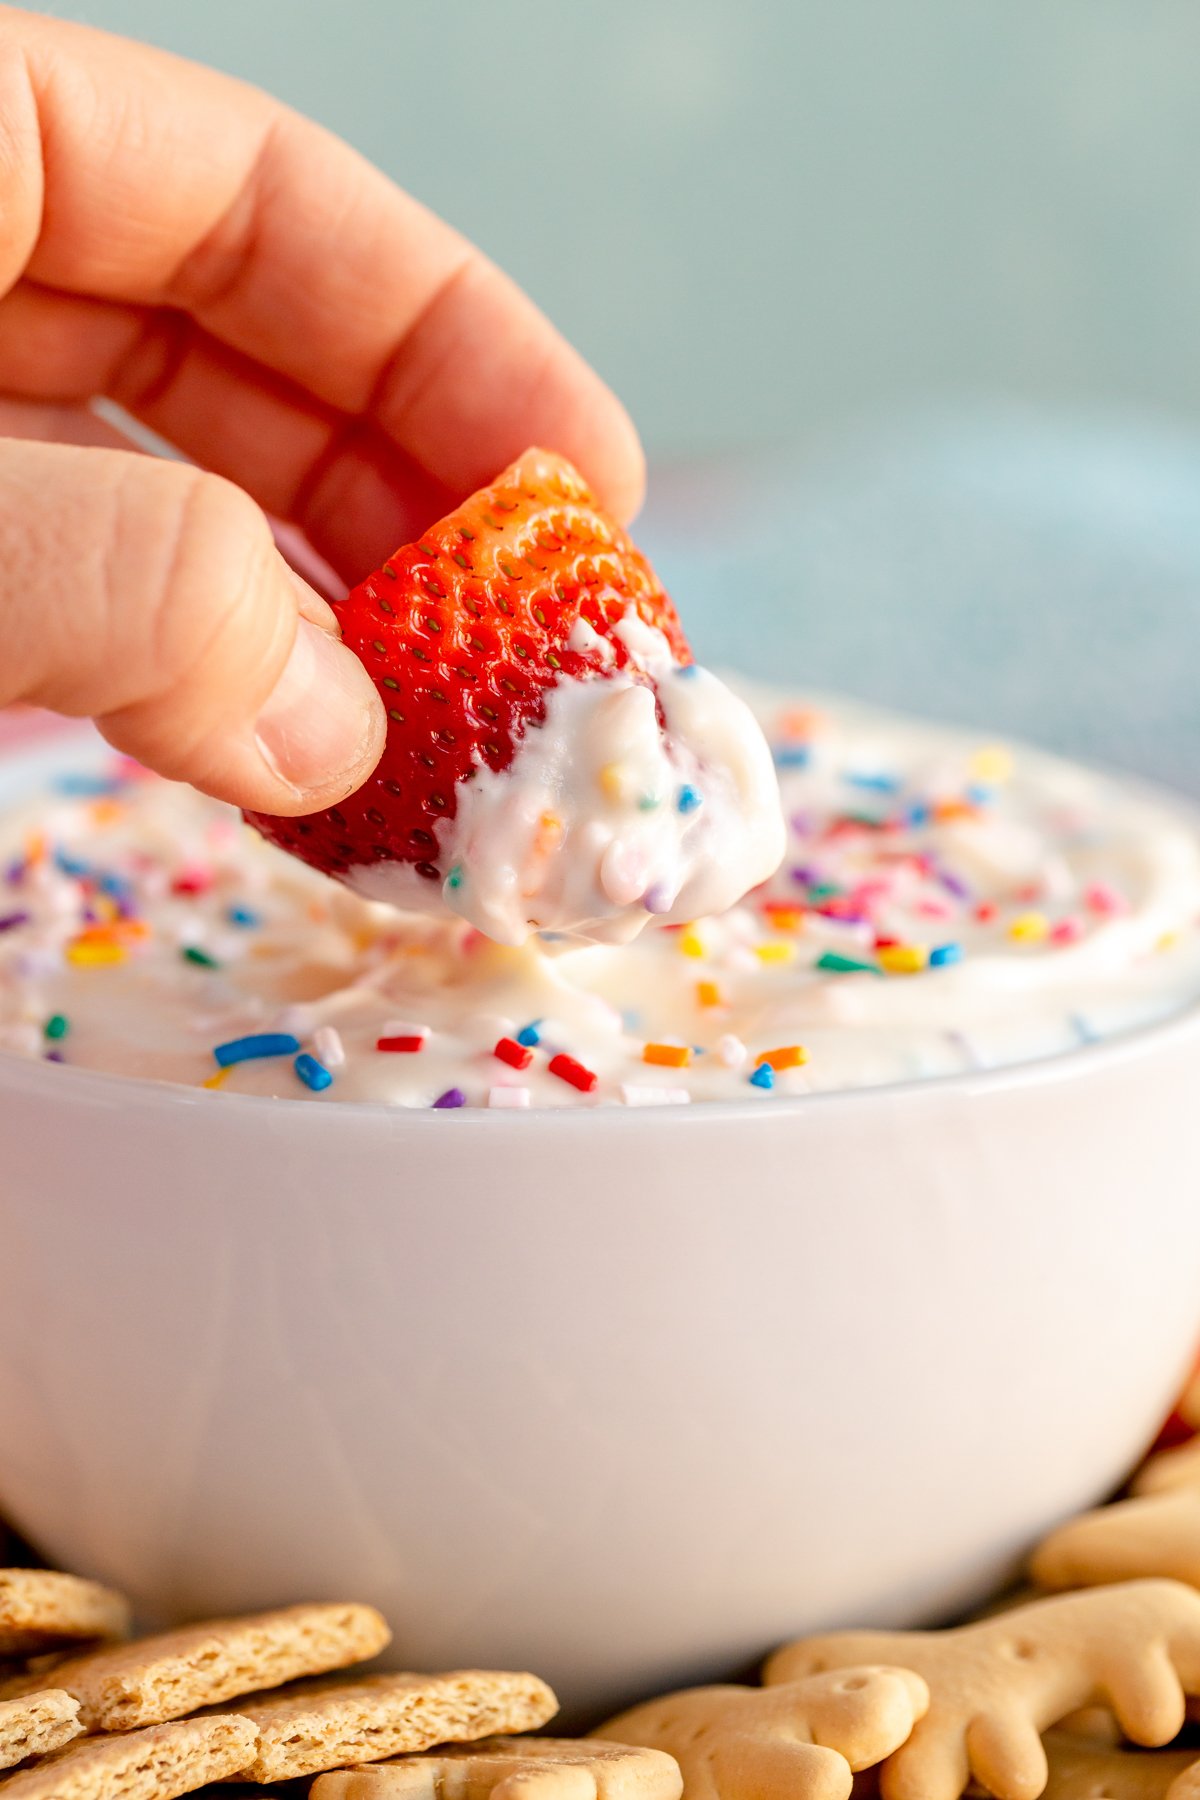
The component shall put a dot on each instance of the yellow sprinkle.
(993, 764)
(788, 1056)
(670, 1056)
(1029, 928)
(90, 955)
(690, 943)
(217, 1080)
(708, 993)
(903, 959)
(612, 781)
(775, 953)
(1167, 941)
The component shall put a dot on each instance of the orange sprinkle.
(947, 810)
(788, 1056)
(219, 1079)
(798, 722)
(35, 849)
(105, 812)
(708, 993)
(784, 917)
(669, 1056)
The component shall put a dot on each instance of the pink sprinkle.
(933, 909)
(1067, 931)
(508, 1096)
(1104, 900)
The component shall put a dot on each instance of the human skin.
(319, 345)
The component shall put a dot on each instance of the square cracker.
(156, 1764)
(156, 1679)
(522, 1767)
(325, 1725)
(41, 1608)
(37, 1724)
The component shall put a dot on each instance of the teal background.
(904, 295)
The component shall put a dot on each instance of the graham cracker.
(156, 1679)
(42, 1608)
(315, 1726)
(156, 1764)
(37, 1724)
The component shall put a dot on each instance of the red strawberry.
(465, 632)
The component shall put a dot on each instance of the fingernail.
(309, 603)
(323, 722)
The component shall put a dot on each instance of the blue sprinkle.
(944, 954)
(792, 756)
(979, 794)
(1083, 1030)
(79, 786)
(918, 814)
(69, 865)
(259, 1043)
(687, 799)
(312, 1073)
(451, 1097)
(763, 1076)
(531, 1034)
(243, 915)
(873, 783)
(552, 937)
(688, 670)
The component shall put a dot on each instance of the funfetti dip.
(943, 904)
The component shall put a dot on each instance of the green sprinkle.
(455, 878)
(825, 890)
(57, 1026)
(193, 954)
(649, 802)
(844, 965)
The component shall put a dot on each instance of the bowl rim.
(101, 1087)
(92, 1087)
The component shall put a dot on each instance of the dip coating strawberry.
(465, 632)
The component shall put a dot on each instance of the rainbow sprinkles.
(944, 904)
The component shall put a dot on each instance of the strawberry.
(465, 632)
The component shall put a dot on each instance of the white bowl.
(624, 1397)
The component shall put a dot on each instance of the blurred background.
(903, 294)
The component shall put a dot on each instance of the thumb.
(151, 596)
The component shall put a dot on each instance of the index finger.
(132, 176)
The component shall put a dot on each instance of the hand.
(250, 288)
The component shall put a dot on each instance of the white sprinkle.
(633, 1095)
(403, 1028)
(508, 1096)
(299, 1020)
(328, 1047)
(731, 1052)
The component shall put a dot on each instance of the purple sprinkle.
(656, 898)
(805, 873)
(54, 1056)
(10, 921)
(14, 875)
(802, 824)
(953, 885)
(451, 1097)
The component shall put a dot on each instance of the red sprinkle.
(192, 881)
(400, 1043)
(567, 1069)
(985, 913)
(1067, 931)
(509, 1051)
